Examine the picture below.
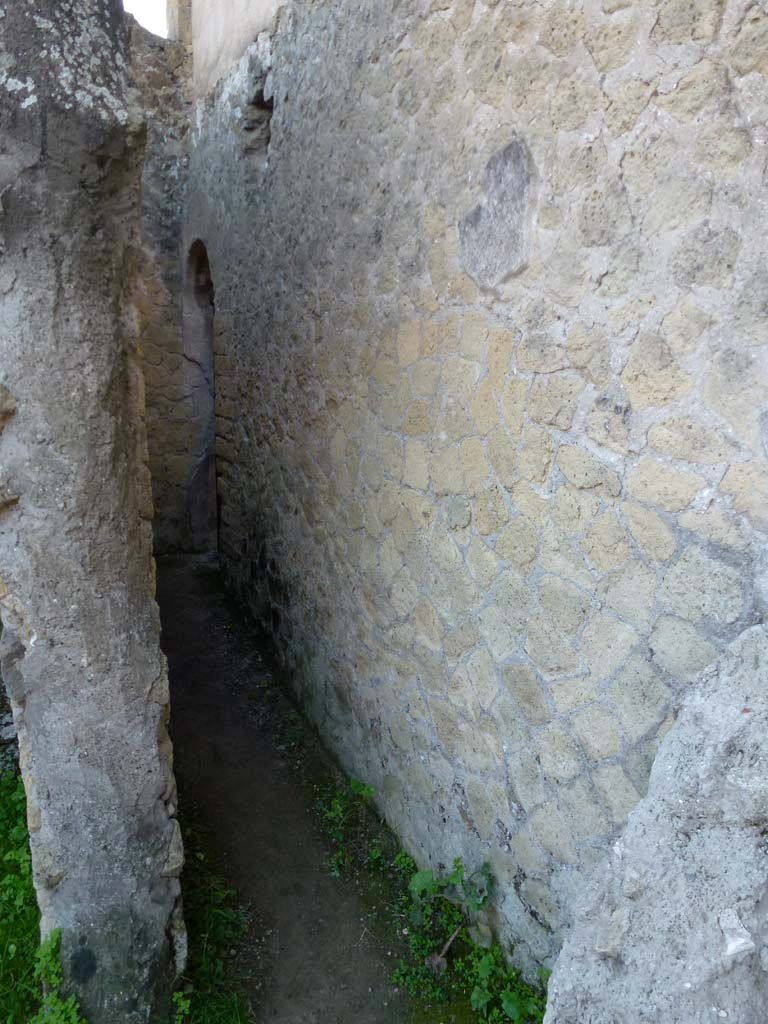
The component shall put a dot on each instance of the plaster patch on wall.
(495, 236)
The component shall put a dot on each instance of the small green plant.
(48, 972)
(213, 991)
(25, 968)
(446, 964)
(340, 810)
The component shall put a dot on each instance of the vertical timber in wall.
(80, 647)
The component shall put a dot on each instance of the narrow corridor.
(322, 966)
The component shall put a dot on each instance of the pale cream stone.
(641, 699)
(584, 814)
(687, 439)
(677, 202)
(539, 353)
(631, 593)
(573, 510)
(408, 342)
(501, 346)
(517, 543)
(686, 21)
(575, 99)
(482, 563)
(513, 598)
(428, 629)
(513, 397)
(564, 26)
(699, 587)
(550, 650)
(685, 327)
(446, 471)
(536, 453)
(611, 44)
(617, 790)
(490, 511)
(520, 682)
(651, 534)
(560, 555)
(474, 335)
(480, 746)
(707, 257)
(627, 101)
(652, 376)
(586, 472)
(589, 351)
(554, 399)
(747, 483)
(425, 376)
(487, 802)
(704, 85)
(462, 638)
(499, 634)
(607, 424)
(715, 525)
(647, 160)
(722, 147)
(605, 644)
(404, 594)
(574, 693)
(750, 51)
(630, 314)
(482, 674)
(440, 336)
(503, 456)
(483, 407)
(420, 418)
(539, 896)
(680, 649)
(564, 603)
(548, 827)
(658, 483)
(604, 216)
(416, 471)
(735, 387)
(558, 754)
(474, 465)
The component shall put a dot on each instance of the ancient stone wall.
(492, 393)
(80, 645)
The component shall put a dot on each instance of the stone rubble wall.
(673, 926)
(171, 378)
(80, 645)
(492, 395)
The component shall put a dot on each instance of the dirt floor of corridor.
(320, 963)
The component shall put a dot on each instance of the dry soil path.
(322, 965)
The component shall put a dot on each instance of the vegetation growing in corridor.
(448, 957)
(24, 968)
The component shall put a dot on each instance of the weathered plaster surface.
(80, 645)
(501, 503)
(673, 926)
(222, 32)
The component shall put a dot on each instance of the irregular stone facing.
(468, 514)
(672, 926)
(80, 645)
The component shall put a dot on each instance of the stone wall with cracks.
(492, 386)
(160, 70)
(80, 646)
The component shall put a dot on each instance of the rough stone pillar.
(80, 648)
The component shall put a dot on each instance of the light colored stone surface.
(689, 873)
(513, 475)
(80, 644)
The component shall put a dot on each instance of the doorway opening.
(197, 346)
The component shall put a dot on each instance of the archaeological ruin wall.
(80, 649)
(492, 392)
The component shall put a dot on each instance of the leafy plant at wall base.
(23, 967)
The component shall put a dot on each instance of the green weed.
(25, 969)
(212, 992)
